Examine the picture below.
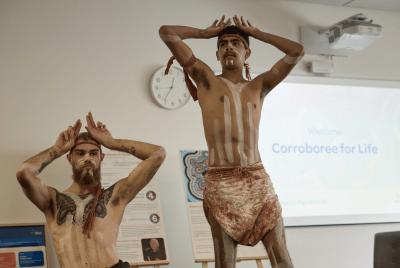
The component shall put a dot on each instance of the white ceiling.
(388, 5)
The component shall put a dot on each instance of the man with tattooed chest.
(239, 200)
(84, 219)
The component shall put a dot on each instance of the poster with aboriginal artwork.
(194, 166)
(141, 237)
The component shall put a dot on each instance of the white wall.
(61, 59)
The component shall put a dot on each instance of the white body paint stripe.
(63, 255)
(170, 38)
(81, 245)
(100, 250)
(275, 71)
(257, 154)
(251, 143)
(212, 156)
(68, 239)
(236, 92)
(220, 148)
(292, 60)
(228, 127)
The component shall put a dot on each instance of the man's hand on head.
(66, 139)
(241, 24)
(100, 132)
(215, 28)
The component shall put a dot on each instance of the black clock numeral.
(156, 87)
(172, 103)
(159, 96)
(184, 95)
(158, 79)
(180, 101)
(183, 79)
(170, 71)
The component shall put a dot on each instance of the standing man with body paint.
(239, 201)
(84, 219)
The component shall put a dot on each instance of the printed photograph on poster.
(153, 249)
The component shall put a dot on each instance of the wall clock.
(169, 91)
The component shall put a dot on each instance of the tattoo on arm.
(152, 173)
(53, 155)
(131, 149)
(202, 33)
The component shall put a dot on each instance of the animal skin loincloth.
(243, 201)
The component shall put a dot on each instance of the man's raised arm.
(152, 155)
(32, 186)
(173, 36)
(293, 50)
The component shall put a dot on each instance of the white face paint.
(220, 148)
(251, 136)
(228, 126)
(170, 38)
(229, 62)
(94, 160)
(212, 156)
(236, 90)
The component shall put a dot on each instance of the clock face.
(169, 91)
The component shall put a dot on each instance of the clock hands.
(169, 90)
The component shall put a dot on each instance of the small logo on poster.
(154, 218)
(151, 195)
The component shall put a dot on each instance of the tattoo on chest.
(79, 206)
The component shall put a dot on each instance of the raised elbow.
(163, 29)
(166, 30)
(161, 154)
(300, 50)
(24, 172)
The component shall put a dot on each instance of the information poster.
(194, 164)
(141, 235)
(23, 246)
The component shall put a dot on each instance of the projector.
(353, 33)
(320, 67)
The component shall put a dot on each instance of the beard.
(86, 176)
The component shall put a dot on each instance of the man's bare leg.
(275, 244)
(224, 245)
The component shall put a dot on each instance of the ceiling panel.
(388, 5)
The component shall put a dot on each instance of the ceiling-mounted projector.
(353, 33)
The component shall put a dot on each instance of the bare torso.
(231, 117)
(75, 249)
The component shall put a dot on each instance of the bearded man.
(239, 200)
(84, 219)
